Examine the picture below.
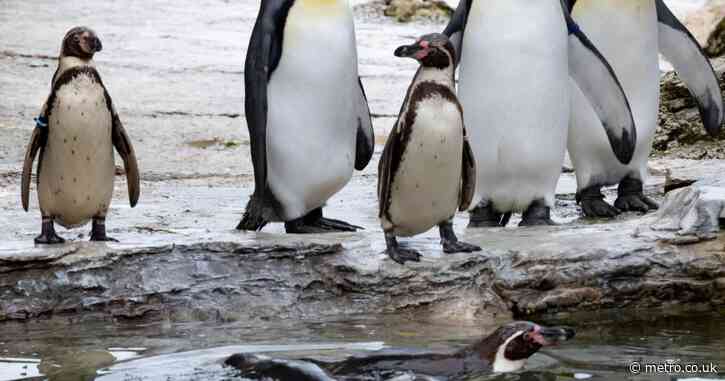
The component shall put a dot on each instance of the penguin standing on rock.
(307, 115)
(75, 134)
(516, 58)
(630, 34)
(427, 171)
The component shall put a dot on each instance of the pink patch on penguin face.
(421, 54)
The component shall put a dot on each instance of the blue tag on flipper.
(41, 122)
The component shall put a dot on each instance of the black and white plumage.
(630, 35)
(516, 60)
(505, 350)
(307, 115)
(76, 162)
(427, 171)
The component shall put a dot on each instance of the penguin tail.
(253, 218)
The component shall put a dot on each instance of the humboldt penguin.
(516, 58)
(630, 34)
(307, 114)
(427, 171)
(504, 350)
(75, 135)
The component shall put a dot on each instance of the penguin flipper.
(365, 143)
(263, 55)
(385, 169)
(682, 50)
(568, 5)
(455, 28)
(468, 176)
(123, 145)
(596, 79)
(37, 140)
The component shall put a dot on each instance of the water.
(607, 343)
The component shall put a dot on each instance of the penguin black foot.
(98, 231)
(450, 242)
(399, 254)
(538, 214)
(48, 236)
(314, 223)
(593, 204)
(485, 216)
(631, 197)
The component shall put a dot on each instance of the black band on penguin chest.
(71, 75)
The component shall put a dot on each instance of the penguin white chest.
(77, 164)
(426, 186)
(514, 90)
(311, 122)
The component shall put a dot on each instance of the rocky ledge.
(674, 256)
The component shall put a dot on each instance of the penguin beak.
(546, 336)
(97, 46)
(410, 51)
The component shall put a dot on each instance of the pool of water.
(606, 346)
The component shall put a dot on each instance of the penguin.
(307, 113)
(427, 170)
(74, 138)
(516, 58)
(630, 34)
(505, 350)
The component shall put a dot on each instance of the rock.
(408, 10)
(680, 132)
(704, 21)
(692, 211)
(715, 46)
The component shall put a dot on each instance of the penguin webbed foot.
(450, 247)
(48, 236)
(398, 254)
(314, 223)
(485, 216)
(593, 204)
(98, 231)
(450, 242)
(631, 197)
(537, 214)
(636, 203)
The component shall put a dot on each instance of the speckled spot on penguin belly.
(78, 132)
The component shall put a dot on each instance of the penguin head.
(512, 344)
(431, 50)
(81, 42)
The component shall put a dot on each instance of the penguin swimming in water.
(630, 34)
(504, 350)
(307, 114)
(427, 171)
(516, 58)
(75, 135)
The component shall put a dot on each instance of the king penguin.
(516, 58)
(75, 134)
(427, 171)
(307, 114)
(630, 34)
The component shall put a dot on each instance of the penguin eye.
(76, 39)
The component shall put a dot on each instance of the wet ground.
(174, 70)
